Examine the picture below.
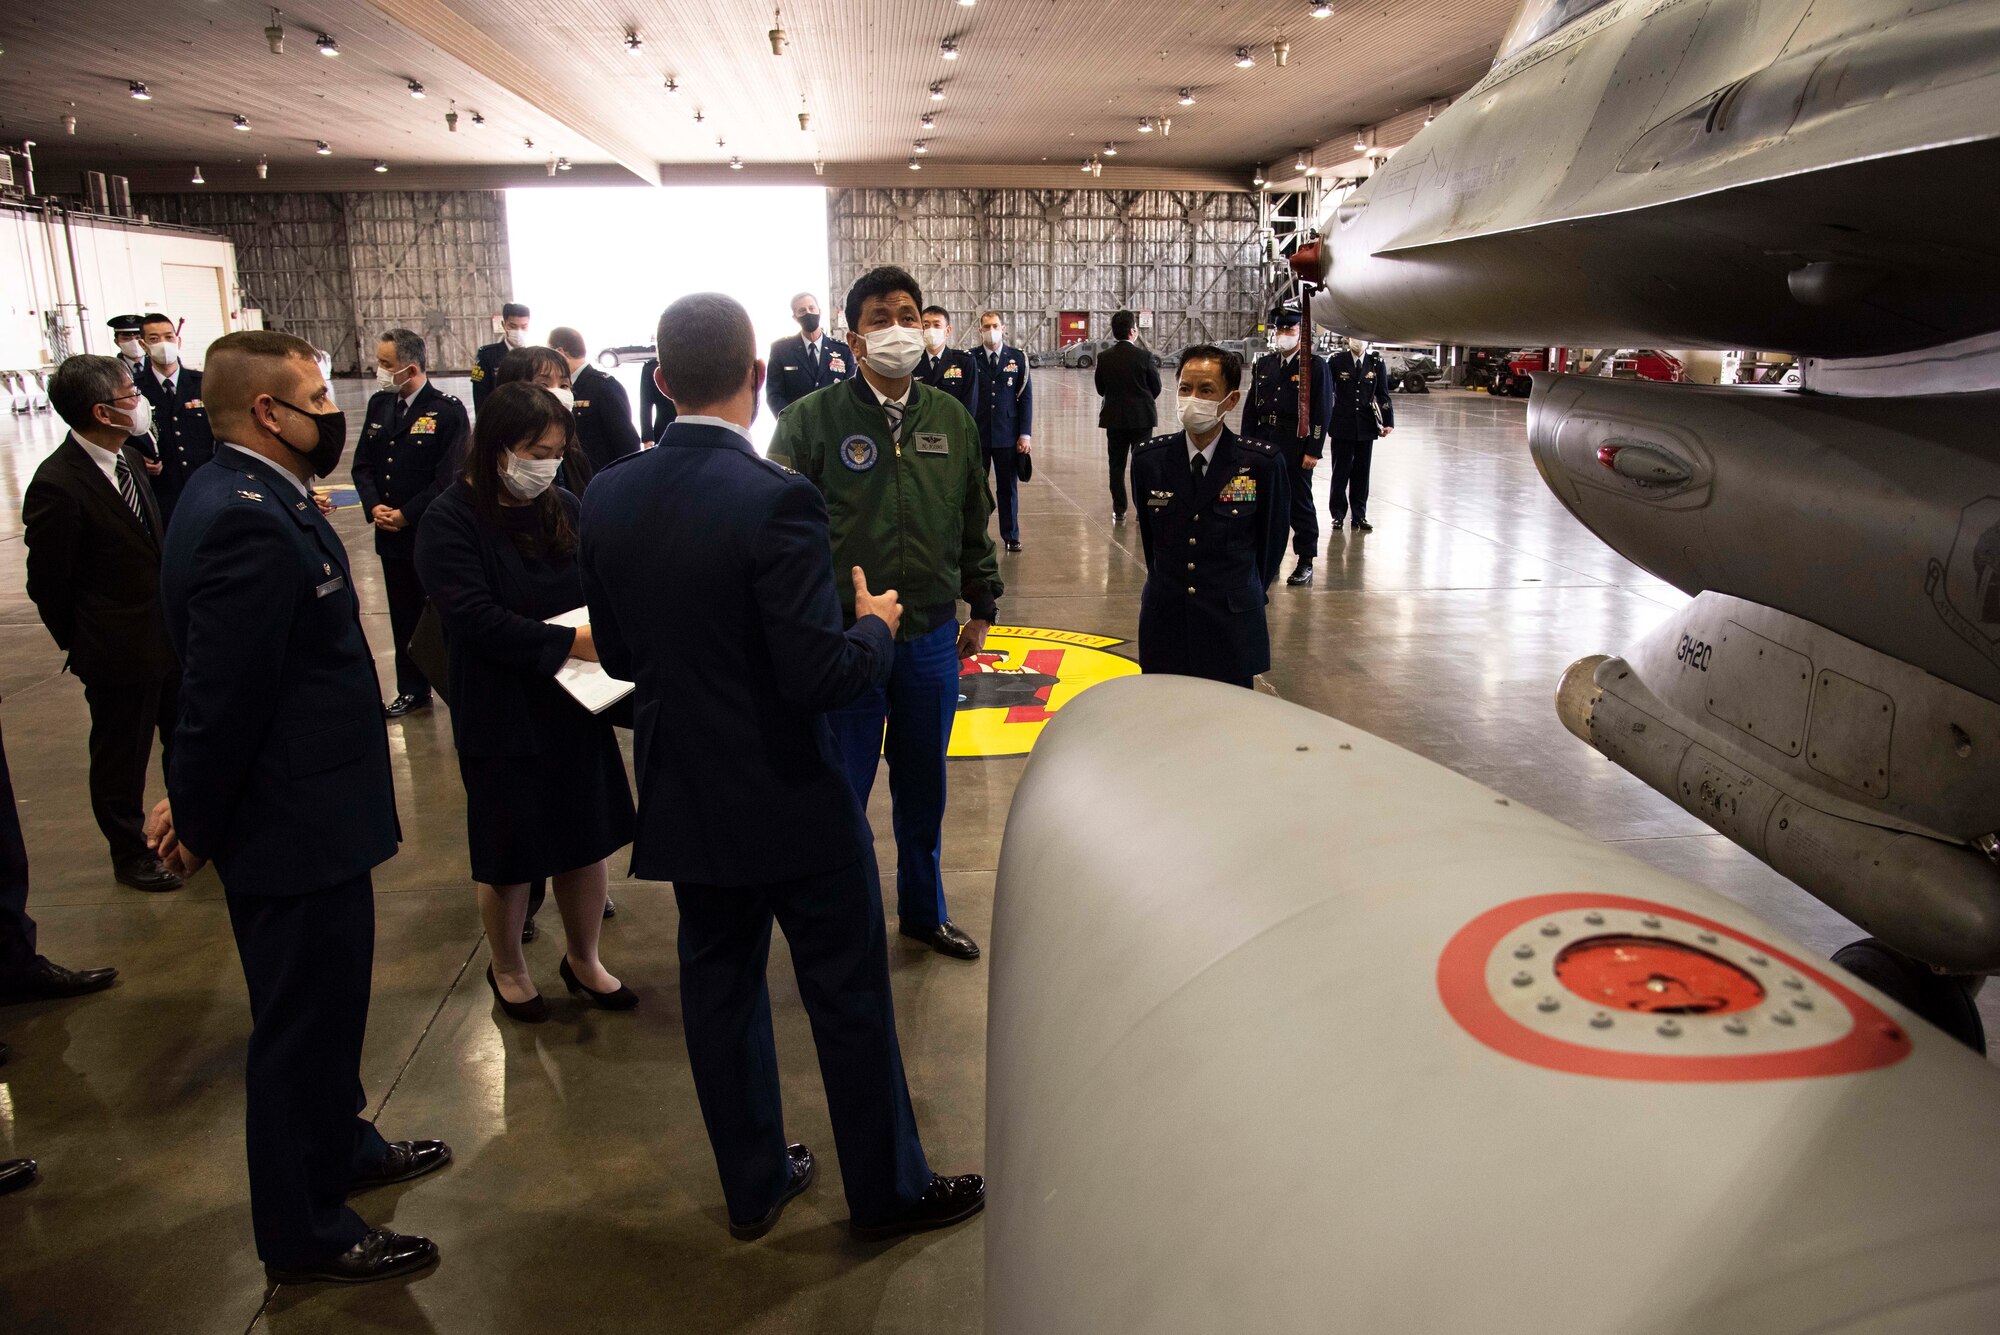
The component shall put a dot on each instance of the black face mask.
(324, 456)
(809, 322)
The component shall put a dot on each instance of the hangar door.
(195, 295)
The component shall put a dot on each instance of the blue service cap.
(120, 323)
(1285, 317)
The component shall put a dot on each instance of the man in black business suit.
(280, 773)
(94, 534)
(603, 409)
(708, 571)
(1129, 384)
(810, 359)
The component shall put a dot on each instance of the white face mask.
(1286, 342)
(1200, 416)
(388, 379)
(514, 338)
(142, 416)
(134, 349)
(993, 337)
(567, 398)
(893, 352)
(934, 338)
(165, 353)
(529, 478)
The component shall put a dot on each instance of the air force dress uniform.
(604, 426)
(485, 367)
(1213, 547)
(180, 429)
(1271, 414)
(1361, 408)
(280, 774)
(1005, 411)
(406, 457)
(954, 371)
(797, 368)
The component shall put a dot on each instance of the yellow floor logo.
(1025, 675)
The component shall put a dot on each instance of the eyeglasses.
(131, 392)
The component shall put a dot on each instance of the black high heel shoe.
(532, 1011)
(624, 999)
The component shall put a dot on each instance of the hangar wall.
(1193, 258)
(338, 269)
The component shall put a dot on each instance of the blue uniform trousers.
(840, 955)
(908, 722)
(308, 960)
(1003, 470)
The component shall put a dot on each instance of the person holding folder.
(545, 787)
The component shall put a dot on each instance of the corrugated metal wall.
(338, 269)
(1191, 257)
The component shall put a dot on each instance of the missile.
(1418, 1058)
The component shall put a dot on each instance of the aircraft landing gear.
(1945, 1000)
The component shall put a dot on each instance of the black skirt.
(528, 817)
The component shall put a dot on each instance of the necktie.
(812, 358)
(130, 491)
(895, 414)
(1199, 466)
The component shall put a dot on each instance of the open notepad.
(593, 687)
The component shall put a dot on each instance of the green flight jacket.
(911, 512)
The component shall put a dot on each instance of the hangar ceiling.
(1037, 86)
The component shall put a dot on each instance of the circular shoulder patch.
(859, 453)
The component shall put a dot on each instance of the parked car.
(1639, 364)
(1085, 352)
(613, 358)
(1411, 367)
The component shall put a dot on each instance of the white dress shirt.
(107, 460)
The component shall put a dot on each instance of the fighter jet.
(1793, 175)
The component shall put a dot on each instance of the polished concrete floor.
(583, 1197)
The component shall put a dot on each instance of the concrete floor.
(583, 1197)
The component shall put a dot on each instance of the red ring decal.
(1874, 1041)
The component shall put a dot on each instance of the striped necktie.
(130, 491)
(895, 415)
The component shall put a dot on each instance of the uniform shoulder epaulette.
(1157, 440)
(1263, 446)
(783, 470)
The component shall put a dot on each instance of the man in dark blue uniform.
(810, 359)
(743, 804)
(1362, 411)
(486, 362)
(181, 437)
(1005, 413)
(280, 774)
(412, 445)
(656, 410)
(1213, 511)
(603, 411)
(1271, 414)
(944, 367)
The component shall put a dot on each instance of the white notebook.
(593, 687)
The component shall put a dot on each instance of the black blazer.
(280, 765)
(94, 569)
(485, 368)
(1361, 402)
(1130, 386)
(656, 410)
(603, 418)
(790, 377)
(955, 372)
(709, 574)
(502, 660)
(182, 442)
(406, 467)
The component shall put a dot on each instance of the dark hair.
(516, 414)
(564, 339)
(526, 363)
(938, 310)
(1121, 324)
(1232, 365)
(706, 349)
(81, 383)
(513, 310)
(879, 282)
(240, 366)
(154, 317)
(409, 347)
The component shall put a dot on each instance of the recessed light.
(916, 166)
(948, 49)
(736, 164)
(1145, 125)
(381, 166)
(937, 92)
(920, 147)
(1084, 165)
(1321, 10)
(1187, 97)
(323, 149)
(140, 92)
(1111, 150)
(416, 89)
(1244, 60)
(327, 46)
(238, 123)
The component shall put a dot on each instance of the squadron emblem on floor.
(1026, 673)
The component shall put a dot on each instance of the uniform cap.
(1285, 317)
(120, 323)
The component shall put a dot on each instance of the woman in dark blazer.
(545, 787)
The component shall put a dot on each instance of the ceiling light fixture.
(1360, 143)
(806, 121)
(197, 175)
(698, 116)
(274, 36)
(527, 142)
(416, 90)
(928, 121)
(819, 166)
(736, 164)
(322, 148)
(1257, 176)
(1084, 166)
(1321, 10)
(1430, 113)
(632, 42)
(1281, 51)
(920, 147)
(69, 124)
(672, 85)
(1110, 150)
(381, 166)
(451, 119)
(263, 167)
(1145, 125)
(140, 92)
(948, 49)
(238, 123)
(1096, 167)
(327, 46)
(478, 119)
(916, 166)
(937, 92)
(1187, 97)
(550, 166)
(1304, 163)
(1244, 60)
(968, 3)
(562, 164)
(777, 33)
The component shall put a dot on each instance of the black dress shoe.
(17, 1173)
(1362, 526)
(945, 938)
(946, 1201)
(146, 873)
(803, 1172)
(380, 1255)
(406, 1159)
(532, 1011)
(610, 909)
(624, 999)
(42, 981)
(1117, 516)
(1302, 573)
(406, 704)
(1013, 546)
(529, 931)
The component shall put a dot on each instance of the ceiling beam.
(461, 39)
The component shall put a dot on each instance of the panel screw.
(1759, 961)
(1781, 1017)
(1547, 1005)
(1523, 978)
(1649, 921)
(1802, 1003)
(1594, 918)
(1669, 1029)
(1794, 983)
(1736, 1027)
(1550, 929)
(1600, 1021)
(1299, 748)
(1524, 952)
(1707, 938)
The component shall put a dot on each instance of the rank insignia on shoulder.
(478, 373)
(250, 495)
(933, 442)
(1239, 488)
(426, 425)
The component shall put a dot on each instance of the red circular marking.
(1873, 1041)
(1655, 976)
